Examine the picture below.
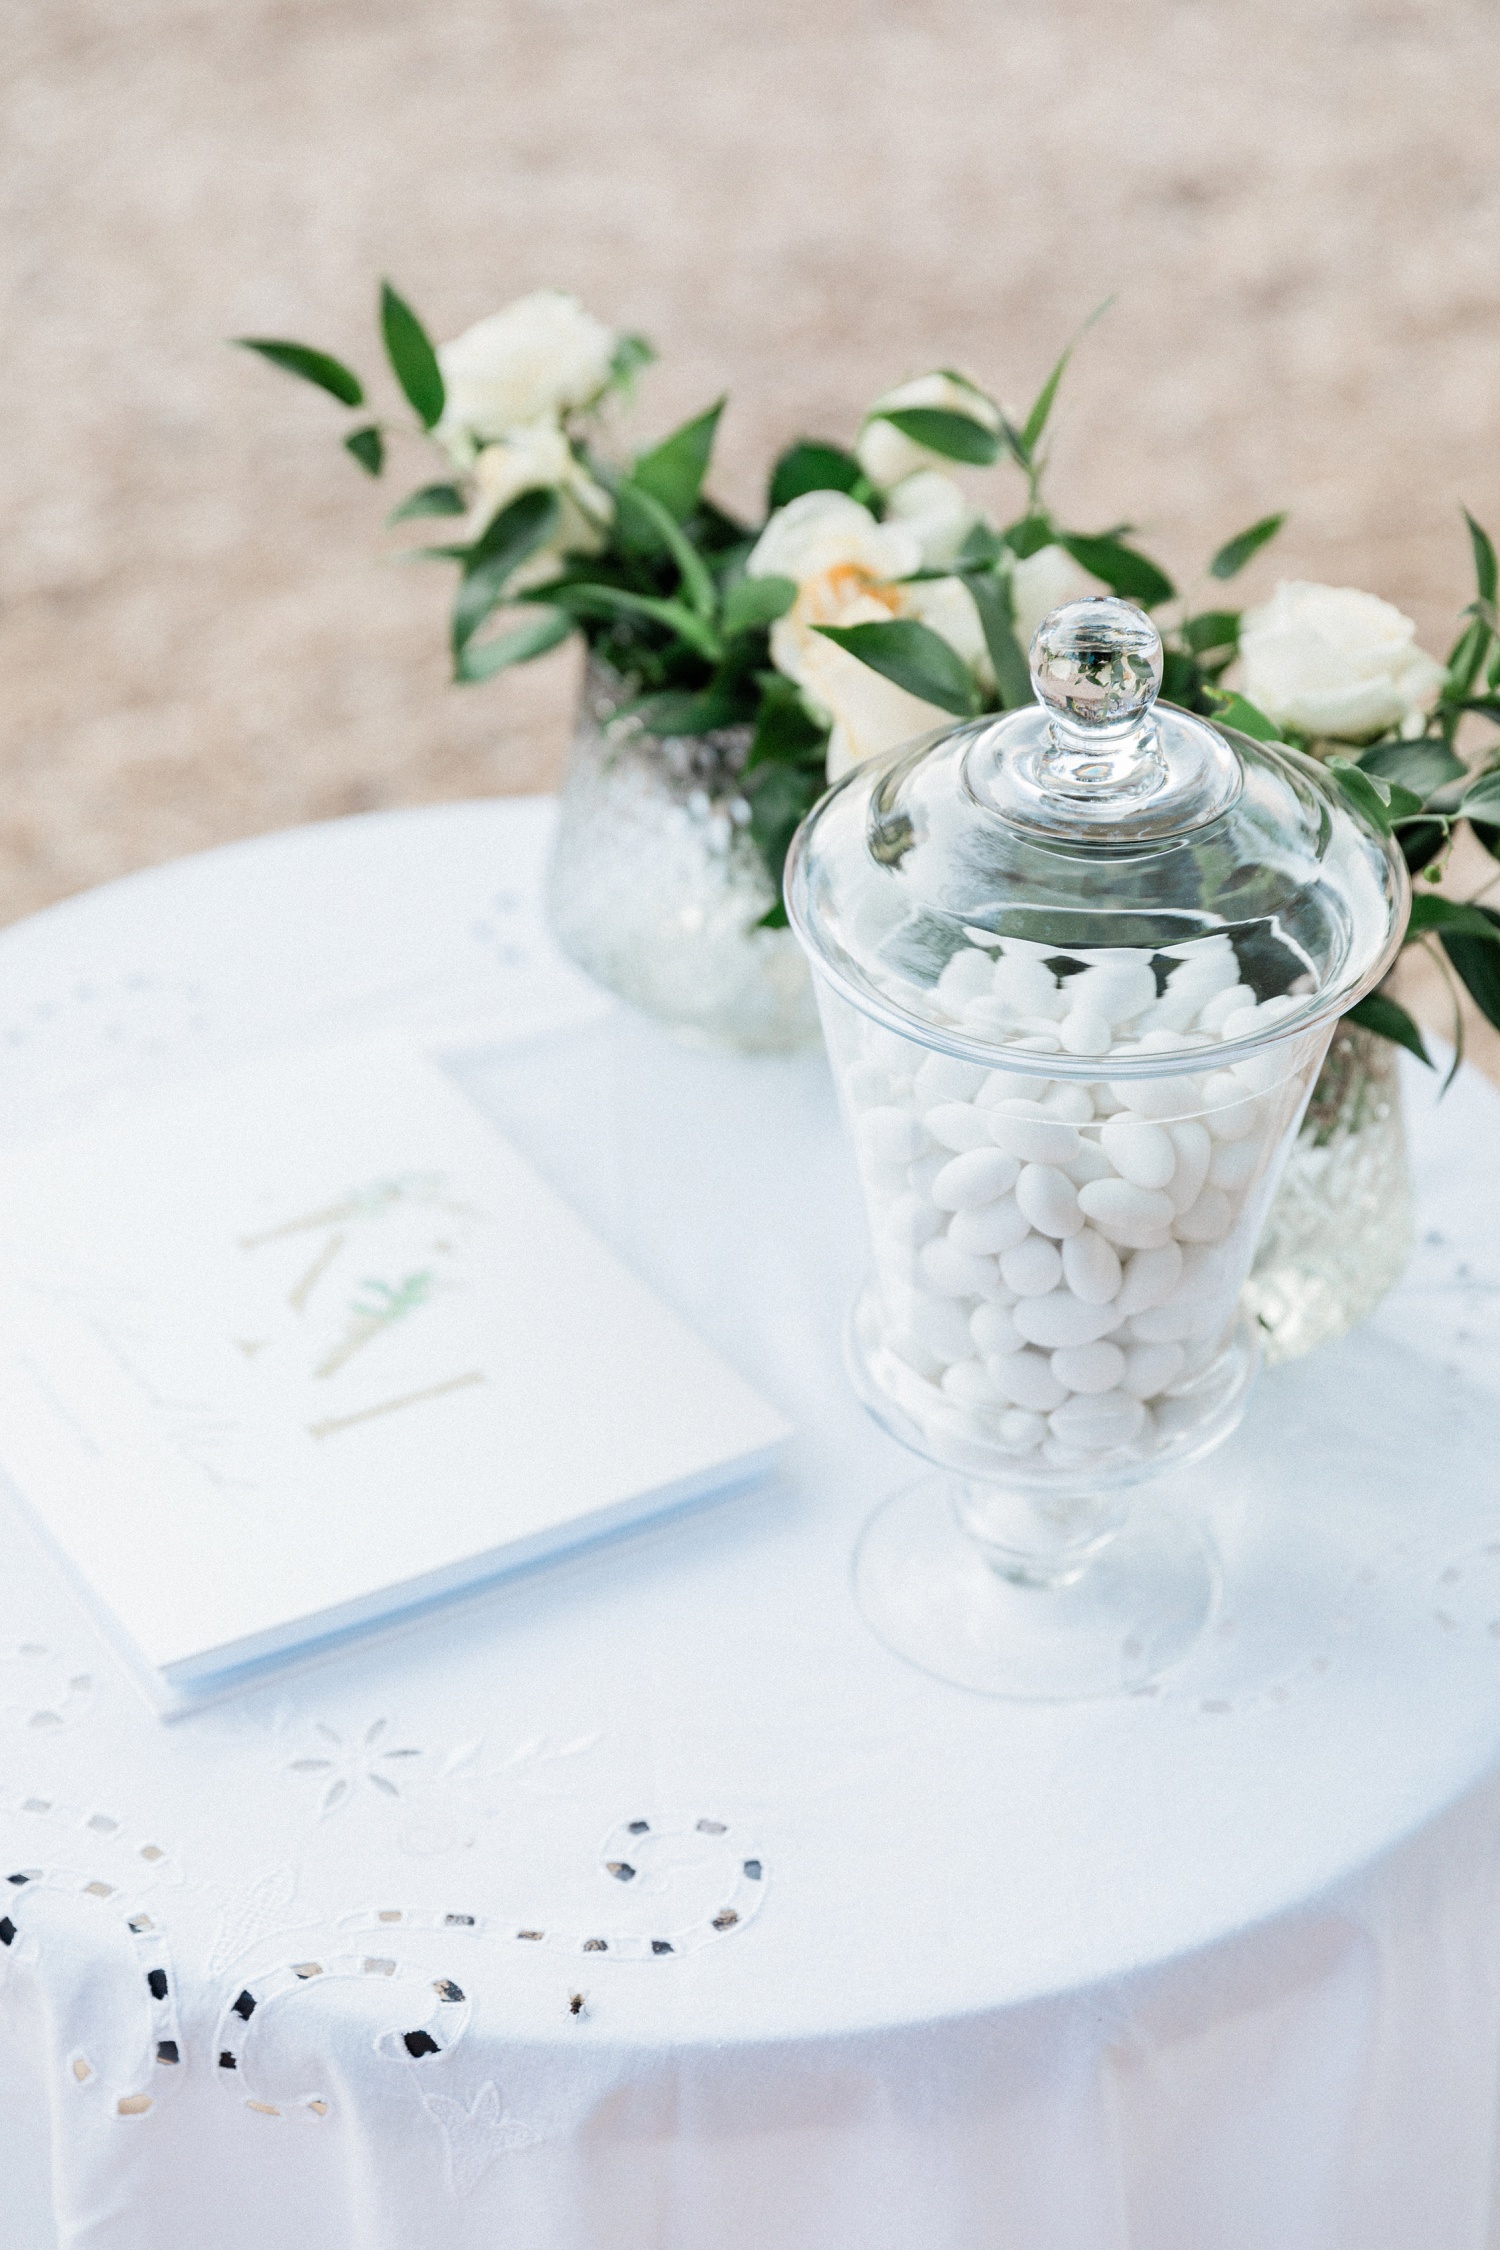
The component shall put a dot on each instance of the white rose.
(870, 713)
(539, 458)
(1335, 663)
(937, 510)
(543, 355)
(822, 531)
(1041, 584)
(846, 567)
(887, 456)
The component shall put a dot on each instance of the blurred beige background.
(1294, 201)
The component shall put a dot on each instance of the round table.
(1212, 1965)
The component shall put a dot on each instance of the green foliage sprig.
(655, 581)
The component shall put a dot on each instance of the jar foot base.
(927, 1591)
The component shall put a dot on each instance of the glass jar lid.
(1095, 873)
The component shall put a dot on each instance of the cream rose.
(887, 456)
(541, 459)
(937, 510)
(870, 713)
(1041, 584)
(946, 607)
(542, 356)
(825, 530)
(846, 568)
(1335, 663)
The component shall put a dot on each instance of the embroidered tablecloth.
(646, 1901)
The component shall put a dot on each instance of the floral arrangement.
(877, 599)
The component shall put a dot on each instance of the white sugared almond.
(1059, 1257)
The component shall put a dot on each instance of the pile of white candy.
(1057, 1258)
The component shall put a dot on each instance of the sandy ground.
(1293, 201)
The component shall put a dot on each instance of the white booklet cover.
(307, 1344)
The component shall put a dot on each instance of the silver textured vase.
(657, 889)
(1342, 1227)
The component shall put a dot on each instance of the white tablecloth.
(1211, 1968)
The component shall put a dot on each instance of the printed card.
(308, 1343)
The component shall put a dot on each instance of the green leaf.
(642, 510)
(981, 550)
(1429, 912)
(368, 447)
(752, 602)
(1029, 536)
(1489, 836)
(1425, 766)
(630, 356)
(432, 500)
(784, 777)
(966, 383)
(1368, 794)
(1406, 804)
(1486, 571)
(1466, 660)
(614, 601)
(515, 535)
(1235, 553)
(413, 360)
(1036, 421)
(957, 437)
(673, 471)
(1483, 797)
(812, 465)
(1372, 790)
(1477, 960)
(786, 733)
(1239, 712)
(1121, 568)
(912, 655)
(481, 660)
(1458, 1035)
(328, 373)
(1015, 446)
(1389, 1020)
(1181, 679)
(683, 711)
(780, 796)
(1212, 629)
(1421, 841)
(718, 534)
(992, 598)
(519, 528)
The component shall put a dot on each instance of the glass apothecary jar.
(1078, 968)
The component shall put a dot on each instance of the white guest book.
(308, 1344)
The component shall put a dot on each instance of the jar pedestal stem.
(1034, 1597)
(1038, 1539)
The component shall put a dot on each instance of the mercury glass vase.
(657, 888)
(1342, 1227)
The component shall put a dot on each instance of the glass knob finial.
(1097, 664)
(1096, 667)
